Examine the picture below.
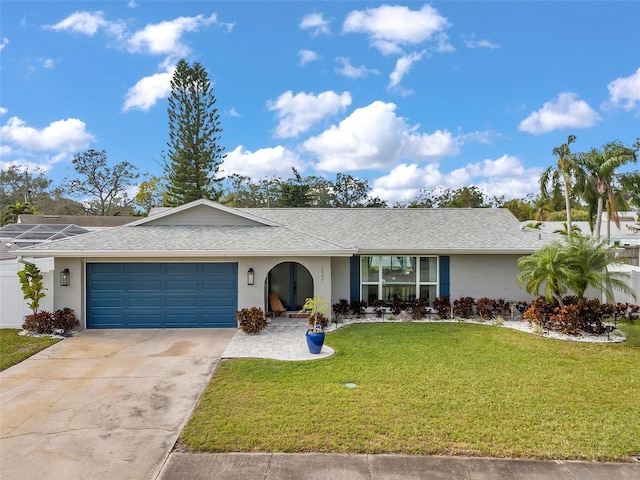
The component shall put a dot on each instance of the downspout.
(23, 261)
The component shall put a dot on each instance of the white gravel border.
(614, 337)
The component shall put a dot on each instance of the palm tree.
(600, 176)
(566, 169)
(11, 212)
(590, 262)
(550, 267)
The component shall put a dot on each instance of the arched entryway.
(292, 282)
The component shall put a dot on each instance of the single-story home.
(197, 264)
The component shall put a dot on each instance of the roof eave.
(183, 253)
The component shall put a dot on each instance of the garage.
(162, 295)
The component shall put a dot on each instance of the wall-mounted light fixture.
(250, 276)
(65, 277)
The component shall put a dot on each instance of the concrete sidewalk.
(311, 466)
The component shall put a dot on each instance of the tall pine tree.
(194, 153)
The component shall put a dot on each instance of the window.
(388, 277)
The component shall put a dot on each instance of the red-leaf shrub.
(486, 307)
(442, 306)
(463, 307)
(40, 322)
(252, 320)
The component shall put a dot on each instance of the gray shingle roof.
(430, 230)
(314, 231)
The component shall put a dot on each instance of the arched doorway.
(292, 282)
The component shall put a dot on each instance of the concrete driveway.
(104, 404)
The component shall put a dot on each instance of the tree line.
(580, 186)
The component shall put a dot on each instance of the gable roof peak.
(214, 206)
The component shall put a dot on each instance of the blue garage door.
(162, 295)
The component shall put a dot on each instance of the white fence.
(633, 282)
(13, 307)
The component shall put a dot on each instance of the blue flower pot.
(315, 340)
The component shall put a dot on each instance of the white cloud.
(265, 162)
(299, 112)
(89, 23)
(484, 43)
(4, 43)
(164, 38)
(3, 110)
(442, 43)
(316, 23)
(392, 27)
(373, 137)
(233, 112)
(148, 90)
(403, 65)
(81, 22)
(625, 91)
(504, 176)
(132, 4)
(348, 70)
(307, 56)
(564, 111)
(62, 135)
(47, 63)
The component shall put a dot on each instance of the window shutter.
(445, 279)
(355, 278)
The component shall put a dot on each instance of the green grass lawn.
(14, 348)
(431, 388)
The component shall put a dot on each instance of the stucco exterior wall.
(340, 279)
(492, 276)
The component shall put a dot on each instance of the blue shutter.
(354, 278)
(445, 278)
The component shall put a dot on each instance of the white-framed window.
(405, 277)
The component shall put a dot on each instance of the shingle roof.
(314, 231)
(412, 229)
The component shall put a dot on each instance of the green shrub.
(32, 286)
(252, 320)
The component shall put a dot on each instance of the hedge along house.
(197, 264)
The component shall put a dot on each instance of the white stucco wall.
(492, 276)
(340, 279)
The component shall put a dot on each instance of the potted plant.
(318, 310)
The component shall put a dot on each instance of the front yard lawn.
(14, 348)
(431, 388)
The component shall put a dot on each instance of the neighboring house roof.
(205, 229)
(17, 235)
(80, 220)
(623, 235)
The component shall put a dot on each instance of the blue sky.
(409, 95)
